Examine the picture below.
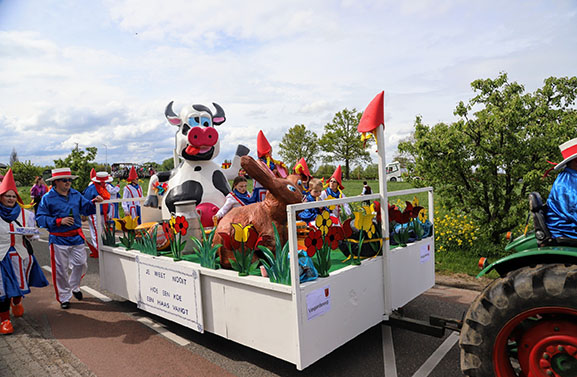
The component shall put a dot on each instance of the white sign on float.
(170, 290)
(318, 302)
(425, 253)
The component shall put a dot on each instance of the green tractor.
(525, 322)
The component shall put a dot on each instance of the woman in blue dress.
(19, 269)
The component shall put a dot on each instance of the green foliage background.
(487, 162)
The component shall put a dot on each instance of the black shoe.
(65, 305)
(78, 295)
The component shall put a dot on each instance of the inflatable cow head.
(196, 139)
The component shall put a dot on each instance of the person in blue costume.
(561, 216)
(334, 192)
(237, 198)
(314, 193)
(19, 269)
(60, 212)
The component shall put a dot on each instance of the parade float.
(298, 321)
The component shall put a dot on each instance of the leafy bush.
(25, 172)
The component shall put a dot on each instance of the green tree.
(24, 172)
(325, 170)
(80, 163)
(13, 157)
(371, 171)
(299, 142)
(342, 142)
(167, 165)
(488, 161)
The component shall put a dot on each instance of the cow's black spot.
(185, 129)
(197, 168)
(163, 176)
(220, 182)
(189, 190)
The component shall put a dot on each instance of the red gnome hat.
(302, 168)
(8, 184)
(262, 145)
(92, 173)
(132, 175)
(338, 175)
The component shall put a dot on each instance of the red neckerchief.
(102, 191)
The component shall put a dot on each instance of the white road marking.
(162, 331)
(47, 268)
(437, 356)
(41, 240)
(389, 352)
(95, 293)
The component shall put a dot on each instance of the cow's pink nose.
(202, 136)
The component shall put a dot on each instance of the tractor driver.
(561, 217)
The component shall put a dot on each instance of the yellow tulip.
(241, 233)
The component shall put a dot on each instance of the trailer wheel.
(523, 324)
(393, 179)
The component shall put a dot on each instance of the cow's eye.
(292, 188)
(185, 129)
(194, 121)
(205, 121)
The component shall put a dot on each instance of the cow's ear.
(171, 116)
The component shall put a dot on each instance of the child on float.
(238, 197)
(278, 168)
(334, 191)
(301, 168)
(19, 269)
(314, 193)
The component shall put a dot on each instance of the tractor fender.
(530, 257)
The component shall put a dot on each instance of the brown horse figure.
(262, 215)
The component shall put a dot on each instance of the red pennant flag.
(373, 115)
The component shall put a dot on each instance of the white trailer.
(299, 323)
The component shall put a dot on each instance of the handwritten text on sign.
(170, 290)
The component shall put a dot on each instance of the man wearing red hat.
(334, 192)
(98, 187)
(561, 217)
(59, 212)
(278, 168)
(132, 190)
(19, 269)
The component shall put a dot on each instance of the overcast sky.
(100, 73)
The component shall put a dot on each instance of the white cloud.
(101, 73)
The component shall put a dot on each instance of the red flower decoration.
(226, 240)
(314, 241)
(181, 225)
(334, 235)
(253, 238)
(167, 230)
(347, 229)
(394, 213)
(413, 211)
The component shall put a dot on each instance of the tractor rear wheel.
(523, 324)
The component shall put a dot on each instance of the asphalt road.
(414, 354)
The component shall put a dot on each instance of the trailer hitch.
(434, 327)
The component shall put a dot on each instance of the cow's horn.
(219, 117)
